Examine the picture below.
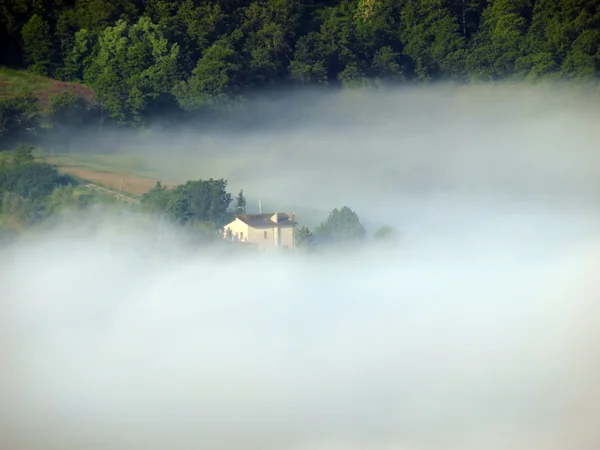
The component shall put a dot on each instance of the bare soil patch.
(132, 184)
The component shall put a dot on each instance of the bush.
(19, 120)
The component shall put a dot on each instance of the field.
(133, 175)
(137, 174)
(19, 82)
(118, 173)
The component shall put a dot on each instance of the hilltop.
(19, 82)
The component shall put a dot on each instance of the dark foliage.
(148, 59)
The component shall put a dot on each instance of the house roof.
(264, 220)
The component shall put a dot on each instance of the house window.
(265, 234)
(241, 235)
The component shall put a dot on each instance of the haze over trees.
(31, 192)
(149, 59)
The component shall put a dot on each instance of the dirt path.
(128, 184)
(113, 193)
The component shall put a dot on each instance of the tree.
(156, 199)
(304, 238)
(134, 69)
(23, 154)
(37, 45)
(563, 40)
(341, 227)
(213, 82)
(240, 203)
(19, 120)
(500, 41)
(70, 110)
(432, 39)
(385, 233)
(201, 201)
(79, 57)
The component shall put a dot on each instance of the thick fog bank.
(324, 149)
(477, 331)
(477, 339)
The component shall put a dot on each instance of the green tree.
(304, 238)
(468, 14)
(70, 110)
(269, 28)
(341, 227)
(134, 70)
(240, 203)
(386, 233)
(37, 45)
(156, 199)
(196, 28)
(432, 39)
(79, 56)
(214, 81)
(202, 201)
(23, 154)
(500, 41)
(563, 40)
(19, 120)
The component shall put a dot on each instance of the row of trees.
(32, 191)
(206, 205)
(145, 58)
(341, 228)
(22, 122)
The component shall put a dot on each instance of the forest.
(148, 60)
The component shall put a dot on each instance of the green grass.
(176, 170)
(137, 166)
(19, 82)
(165, 168)
(14, 83)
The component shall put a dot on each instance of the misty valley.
(282, 225)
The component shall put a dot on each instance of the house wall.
(237, 228)
(287, 237)
(275, 237)
(257, 236)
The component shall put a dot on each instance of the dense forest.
(147, 59)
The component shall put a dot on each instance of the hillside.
(19, 82)
(153, 59)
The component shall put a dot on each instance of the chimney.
(293, 217)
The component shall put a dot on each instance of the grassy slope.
(20, 82)
(134, 175)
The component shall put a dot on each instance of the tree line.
(147, 58)
(31, 192)
(22, 120)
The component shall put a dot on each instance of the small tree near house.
(240, 203)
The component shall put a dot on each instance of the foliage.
(385, 233)
(240, 203)
(31, 179)
(68, 110)
(152, 58)
(37, 45)
(31, 191)
(341, 227)
(304, 238)
(18, 120)
(202, 201)
(133, 69)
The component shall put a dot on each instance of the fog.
(475, 332)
